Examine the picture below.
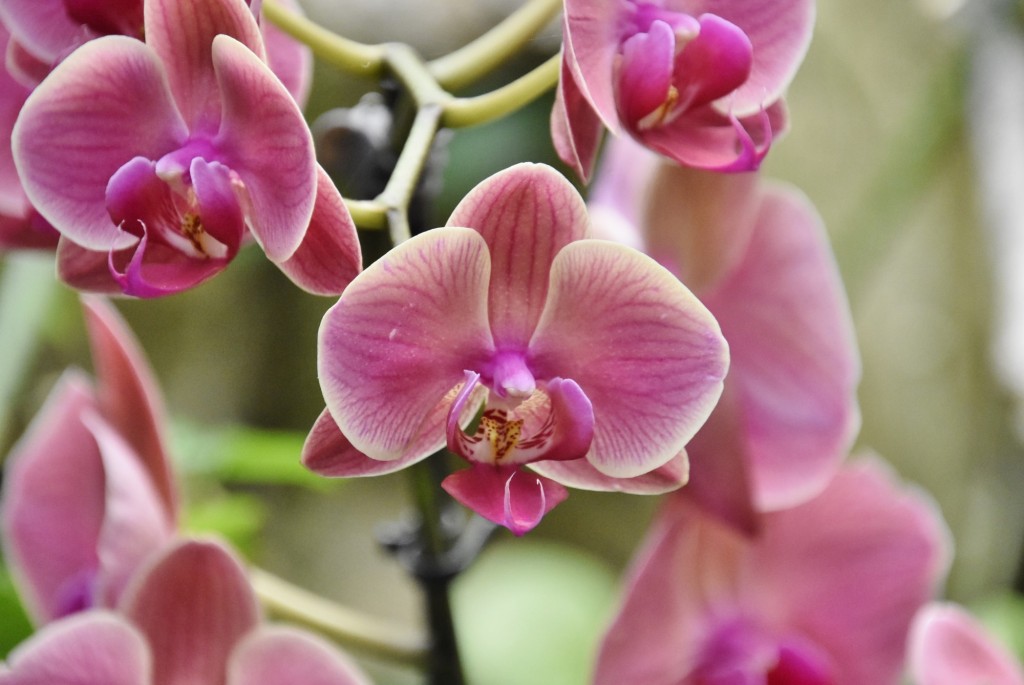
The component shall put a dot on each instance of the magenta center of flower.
(739, 653)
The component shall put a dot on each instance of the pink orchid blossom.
(758, 257)
(824, 596)
(699, 82)
(591, 364)
(949, 647)
(88, 491)
(189, 617)
(157, 161)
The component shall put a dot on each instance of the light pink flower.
(949, 647)
(758, 257)
(157, 161)
(190, 616)
(699, 82)
(88, 492)
(593, 365)
(824, 596)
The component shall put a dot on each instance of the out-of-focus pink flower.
(824, 596)
(88, 491)
(157, 161)
(758, 257)
(591, 364)
(949, 647)
(699, 82)
(189, 616)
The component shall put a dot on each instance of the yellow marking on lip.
(500, 432)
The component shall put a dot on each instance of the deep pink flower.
(592, 365)
(157, 161)
(758, 257)
(949, 647)
(88, 492)
(190, 616)
(824, 596)
(699, 82)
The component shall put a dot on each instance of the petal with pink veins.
(581, 474)
(591, 30)
(644, 350)
(576, 130)
(506, 495)
(286, 656)
(950, 647)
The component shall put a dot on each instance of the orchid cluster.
(677, 329)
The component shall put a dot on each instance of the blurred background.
(908, 135)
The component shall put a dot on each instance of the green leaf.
(14, 624)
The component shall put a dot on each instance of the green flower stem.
(462, 112)
(348, 55)
(369, 634)
(476, 59)
(367, 214)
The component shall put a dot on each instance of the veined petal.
(287, 656)
(328, 452)
(795, 363)
(53, 505)
(290, 60)
(576, 130)
(128, 395)
(106, 104)
(506, 495)
(94, 648)
(581, 475)
(591, 34)
(182, 33)
(644, 350)
(526, 214)
(329, 256)
(266, 141)
(400, 337)
(949, 647)
(193, 603)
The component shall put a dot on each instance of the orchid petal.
(71, 135)
(576, 130)
(53, 505)
(108, 17)
(94, 648)
(23, 66)
(714, 64)
(286, 656)
(619, 195)
(645, 351)
(266, 141)
(42, 27)
(400, 338)
(645, 74)
(795, 362)
(329, 256)
(591, 37)
(506, 495)
(193, 603)
(128, 395)
(328, 452)
(181, 33)
(949, 647)
(581, 475)
(87, 270)
(13, 202)
(290, 60)
(526, 214)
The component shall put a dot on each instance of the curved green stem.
(349, 628)
(400, 187)
(462, 67)
(356, 58)
(461, 112)
(367, 214)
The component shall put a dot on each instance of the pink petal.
(106, 104)
(265, 139)
(329, 453)
(53, 505)
(286, 656)
(795, 364)
(194, 604)
(591, 34)
(108, 17)
(27, 232)
(25, 67)
(644, 350)
(94, 648)
(576, 130)
(619, 196)
(329, 256)
(506, 495)
(645, 74)
(399, 339)
(714, 64)
(526, 213)
(43, 27)
(949, 647)
(86, 270)
(581, 474)
(290, 60)
(181, 33)
(13, 94)
(128, 395)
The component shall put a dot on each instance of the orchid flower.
(189, 617)
(949, 647)
(824, 596)
(758, 257)
(157, 161)
(586, 361)
(699, 82)
(88, 492)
